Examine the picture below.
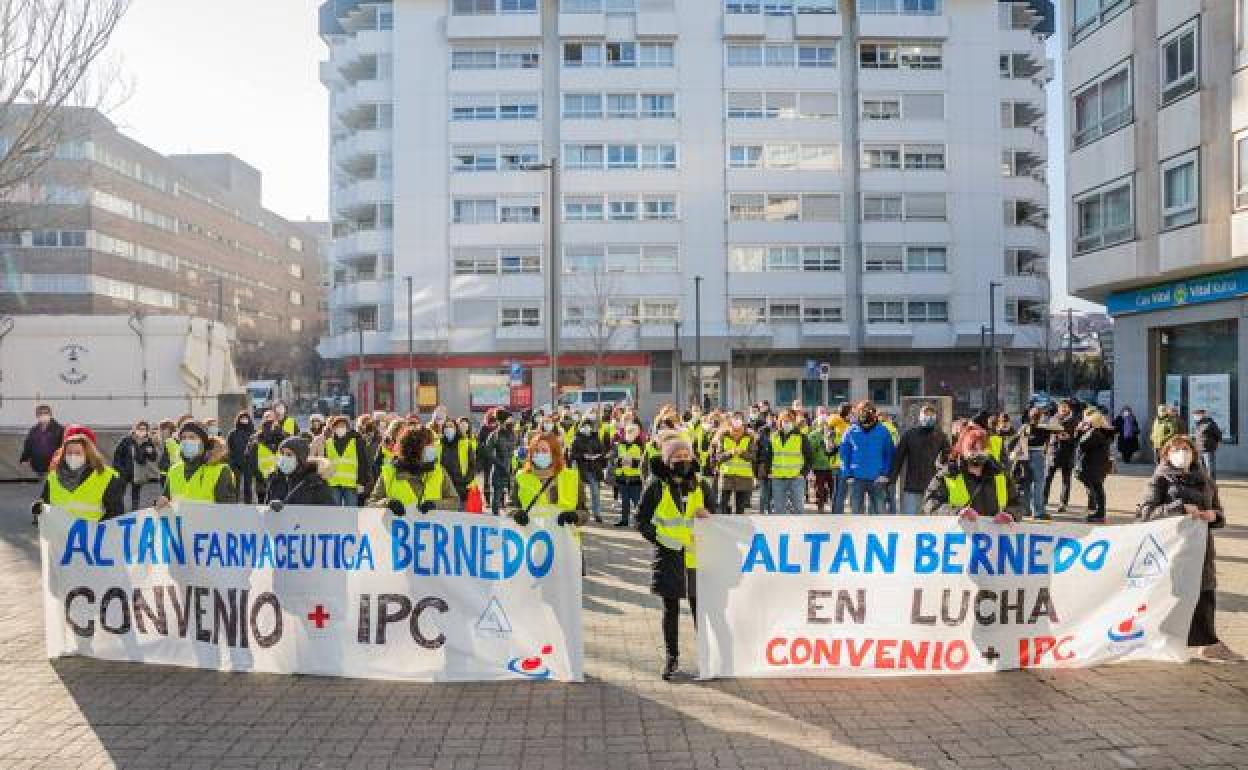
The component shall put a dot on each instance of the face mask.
(1181, 458)
(140, 434)
(244, 423)
(682, 469)
(44, 419)
(191, 448)
(212, 430)
(786, 426)
(542, 460)
(286, 464)
(548, 427)
(429, 454)
(449, 433)
(340, 432)
(631, 434)
(74, 462)
(753, 416)
(978, 458)
(927, 420)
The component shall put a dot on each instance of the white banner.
(889, 596)
(315, 590)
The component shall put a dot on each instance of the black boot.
(669, 668)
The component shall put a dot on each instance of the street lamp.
(676, 362)
(411, 376)
(992, 342)
(553, 268)
(697, 338)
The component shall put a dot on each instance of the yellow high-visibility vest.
(960, 496)
(786, 456)
(86, 501)
(628, 452)
(673, 527)
(266, 460)
(995, 445)
(201, 487)
(734, 465)
(401, 489)
(346, 465)
(567, 487)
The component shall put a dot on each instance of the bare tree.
(591, 312)
(50, 60)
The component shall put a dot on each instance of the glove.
(968, 514)
(359, 490)
(37, 507)
(427, 508)
(396, 508)
(521, 518)
(1003, 518)
(566, 518)
(276, 506)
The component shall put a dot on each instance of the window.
(658, 105)
(783, 207)
(475, 212)
(779, 56)
(580, 6)
(926, 207)
(746, 207)
(909, 7)
(745, 56)
(1103, 107)
(660, 259)
(741, 156)
(926, 259)
(517, 107)
(881, 156)
(821, 312)
(1091, 14)
(881, 109)
(821, 207)
(1241, 172)
(623, 210)
(296, 298)
(659, 208)
(893, 55)
(923, 106)
(1179, 57)
(881, 208)
(519, 212)
(517, 157)
(621, 106)
(583, 259)
(474, 59)
(784, 312)
(623, 259)
(476, 262)
(1104, 217)
(927, 311)
(621, 156)
(581, 156)
(582, 55)
(658, 156)
(747, 312)
(1180, 191)
(519, 315)
(469, 159)
(783, 259)
(925, 157)
(819, 157)
(578, 209)
(658, 55)
(816, 56)
(878, 56)
(818, 104)
(519, 59)
(582, 106)
(821, 259)
(621, 54)
(882, 258)
(520, 260)
(886, 311)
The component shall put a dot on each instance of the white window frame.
(1188, 213)
(1106, 10)
(1241, 171)
(1188, 82)
(1097, 241)
(1103, 126)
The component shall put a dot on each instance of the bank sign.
(1210, 288)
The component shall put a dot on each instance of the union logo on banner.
(1149, 565)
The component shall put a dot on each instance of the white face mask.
(74, 462)
(287, 464)
(340, 432)
(1181, 458)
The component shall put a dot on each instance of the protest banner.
(315, 590)
(888, 596)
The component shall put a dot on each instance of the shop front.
(1184, 344)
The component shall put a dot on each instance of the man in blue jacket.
(866, 459)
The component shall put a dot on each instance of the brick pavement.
(83, 713)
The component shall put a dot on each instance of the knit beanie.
(669, 443)
(299, 446)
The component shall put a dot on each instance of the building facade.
(110, 226)
(1158, 138)
(765, 185)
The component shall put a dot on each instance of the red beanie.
(79, 430)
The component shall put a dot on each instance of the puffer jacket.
(1169, 490)
(918, 452)
(1094, 458)
(215, 453)
(668, 568)
(982, 489)
(114, 501)
(306, 486)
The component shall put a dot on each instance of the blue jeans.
(911, 503)
(890, 497)
(1035, 491)
(788, 496)
(630, 496)
(838, 494)
(764, 496)
(595, 498)
(867, 490)
(1210, 461)
(345, 496)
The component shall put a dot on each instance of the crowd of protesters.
(661, 474)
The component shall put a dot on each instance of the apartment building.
(1157, 132)
(110, 226)
(774, 184)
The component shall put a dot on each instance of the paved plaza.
(79, 713)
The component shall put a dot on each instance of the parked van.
(591, 398)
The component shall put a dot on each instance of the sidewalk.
(78, 713)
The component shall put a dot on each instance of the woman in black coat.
(236, 443)
(1181, 487)
(136, 460)
(1095, 463)
(298, 480)
(674, 569)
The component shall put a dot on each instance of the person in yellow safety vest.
(168, 445)
(458, 457)
(788, 462)
(414, 480)
(80, 482)
(547, 488)
(735, 450)
(674, 497)
(284, 419)
(973, 484)
(202, 475)
(627, 457)
(261, 458)
(389, 444)
(347, 453)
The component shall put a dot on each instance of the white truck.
(107, 372)
(264, 394)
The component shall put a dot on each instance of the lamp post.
(992, 342)
(676, 362)
(553, 269)
(359, 381)
(983, 385)
(697, 339)
(411, 352)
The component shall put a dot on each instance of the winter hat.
(670, 441)
(79, 430)
(196, 428)
(299, 446)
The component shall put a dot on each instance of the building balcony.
(364, 243)
(902, 25)
(1021, 40)
(361, 293)
(823, 25)
(362, 143)
(363, 92)
(1029, 139)
(825, 334)
(348, 344)
(1025, 187)
(662, 24)
(745, 25)
(1026, 237)
(1023, 89)
(520, 25)
(582, 25)
(363, 194)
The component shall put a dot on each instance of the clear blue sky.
(241, 76)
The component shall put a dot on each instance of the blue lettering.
(1011, 549)
(147, 541)
(981, 547)
(845, 552)
(950, 565)
(214, 550)
(127, 524)
(786, 566)
(76, 542)
(400, 550)
(816, 540)
(925, 558)
(418, 531)
(1096, 563)
(441, 559)
(365, 554)
(878, 553)
(1065, 555)
(1035, 555)
(172, 541)
(759, 554)
(540, 569)
(97, 550)
(197, 544)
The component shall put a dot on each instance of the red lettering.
(938, 657)
(884, 654)
(913, 654)
(957, 655)
(828, 655)
(1061, 652)
(1024, 653)
(771, 649)
(858, 654)
(799, 651)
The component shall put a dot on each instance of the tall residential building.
(110, 226)
(1157, 132)
(842, 188)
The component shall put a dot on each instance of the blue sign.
(1196, 291)
(812, 370)
(517, 374)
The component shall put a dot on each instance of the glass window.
(816, 56)
(741, 156)
(747, 259)
(660, 156)
(586, 209)
(745, 56)
(657, 55)
(621, 105)
(909, 387)
(886, 311)
(783, 207)
(621, 156)
(1179, 56)
(1180, 180)
(1209, 351)
(821, 207)
(623, 210)
(882, 258)
(659, 207)
(783, 259)
(1104, 217)
(925, 157)
(926, 207)
(926, 259)
(779, 56)
(1103, 106)
(746, 207)
(881, 109)
(821, 259)
(786, 392)
(582, 55)
(658, 105)
(880, 391)
(881, 208)
(925, 311)
(878, 56)
(881, 156)
(818, 104)
(582, 106)
(782, 156)
(1241, 172)
(923, 106)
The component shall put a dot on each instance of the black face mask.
(682, 469)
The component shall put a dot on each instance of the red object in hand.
(474, 503)
(970, 514)
(530, 664)
(1003, 518)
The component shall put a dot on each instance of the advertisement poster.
(1212, 392)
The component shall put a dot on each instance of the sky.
(241, 76)
(237, 76)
